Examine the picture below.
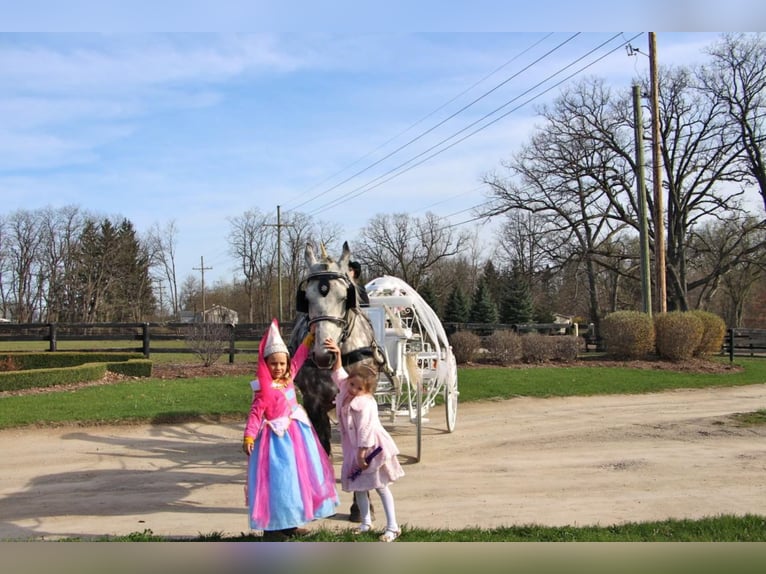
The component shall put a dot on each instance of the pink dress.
(360, 426)
(290, 478)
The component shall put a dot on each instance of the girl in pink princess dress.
(290, 479)
(369, 453)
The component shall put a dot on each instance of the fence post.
(52, 337)
(231, 343)
(731, 345)
(145, 339)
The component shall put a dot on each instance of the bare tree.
(407, 247)
(61, 229)
(732, 251)
(24, 256)
(736, 79)
(701, 162)
(162, 244)
(573, 176)
(6, 273)
(252, 240)
(300, 229)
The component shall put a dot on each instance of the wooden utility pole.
(279, 225)
(202, 269)
(646, 284)
(659, 209)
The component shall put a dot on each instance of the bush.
(536, 348)
(628, 334)
(60, 359)
(465, 346)
(35, 378)
(135, 368)
(713, 333)
(208, 341)
(678, 334)
(504, 347)
(566, 348)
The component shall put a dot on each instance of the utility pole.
(202, 269)
(659, 210)
(279, 227)
(161, 289)
(646, 289)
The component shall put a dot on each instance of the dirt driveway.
(562, 461)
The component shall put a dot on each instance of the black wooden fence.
(745, 342)
(149, 337)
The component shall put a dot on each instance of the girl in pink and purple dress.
(369, 453)
(290, 479)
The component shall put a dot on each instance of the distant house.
(566, 322)
(220, 314)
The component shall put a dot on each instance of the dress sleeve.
(255, 418)
(364, 414)
(339, 377)
(301, 354)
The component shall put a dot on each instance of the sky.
(191, 118)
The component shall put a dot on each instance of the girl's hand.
(247, 447)
(331, 345)
(360, 454)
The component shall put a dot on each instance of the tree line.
(568, 242)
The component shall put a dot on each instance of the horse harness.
(324, 277)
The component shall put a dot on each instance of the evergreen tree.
(426, 291)
(457, 309)
(483, 308)
(494, 280)
(517, 302)
(131, 295)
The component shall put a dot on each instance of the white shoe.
(389, 535)
(362, 528)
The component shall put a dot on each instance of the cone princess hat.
(274, 342)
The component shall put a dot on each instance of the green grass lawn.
(227, 398)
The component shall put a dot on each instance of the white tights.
(386, 498)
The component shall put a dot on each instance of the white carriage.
(418, 352)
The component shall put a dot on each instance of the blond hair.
(367, 373)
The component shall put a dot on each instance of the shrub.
(60, 359)
(628, 334)
(504, 347)
(8, 364)
(678, 334)
(135, 368)
(208, 341)
(713, 333)
(536, 348)
(566, 347)
(465, 346)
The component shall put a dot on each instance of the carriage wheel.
(450, 401)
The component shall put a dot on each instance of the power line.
(442, 122)
(418, 122)
(394, 171)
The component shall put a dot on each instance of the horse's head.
(326, 295)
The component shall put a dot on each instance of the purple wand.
(357, 471)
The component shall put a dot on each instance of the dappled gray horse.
(327, 299)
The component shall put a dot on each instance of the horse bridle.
(345, 322)
(325, 277)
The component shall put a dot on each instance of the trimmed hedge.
(713, 333)
(679, 334)
(628, 334)
(91, 371)
(48, 360)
